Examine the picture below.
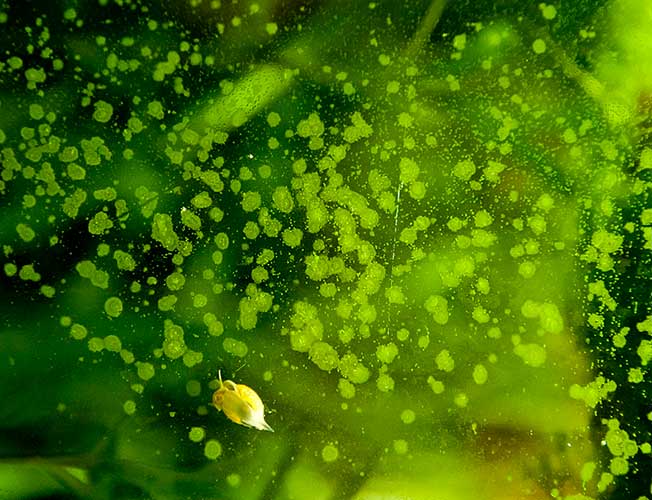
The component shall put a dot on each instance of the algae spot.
(235, 347)
(359, 130)
(100, 223)
(196, 434)
(174, 345)
(212, 449)
(445, 361)
(103, 111)
(408, 416)
(78, 332)
(539, 46)
(385, 383)
(531, 354)
(113, 307)
(437, 386)
(346, 389)
(464, 170)
(438, 307)
(145, 370)
(163, 231)
(129, 407)
(324, 356)
(25, 232)
(387, 353)
(480, 374)
(400, 446)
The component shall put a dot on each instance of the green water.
(419, 231)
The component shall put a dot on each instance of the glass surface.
(415, 236)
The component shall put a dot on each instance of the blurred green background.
(421, 231)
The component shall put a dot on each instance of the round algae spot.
(393, 87)
(28, 273)
(103, 249)
(527, 269)
(619, 466)
(36, 111)
(461, 400)
(328, 289)
(113, 307)
(532, 354)
(167, 303)
(25, 232)
(482, 219)
(78, 331)
(112, 343)
(387, 353)
(200, 300)
(324, 356)
(282, 199)
(464, 170)
(100, 223)
(233, 480)
(127, 356)
(403, 334)
(273, 119)
(438, 306)
(197, 434)
(175, 281)
(409, 170)
(400, 446)
(251, 230)
(384, 59)
(479, 374)
(292, 237)
(549, 12)
(129, 407)
(346, 389)
(539, 46)
(235, 347)
(215, 326)
(145, 370)
(192, 358)
(408, 416)
(569, 136)
(550, 318)
(437, 386)
(103, 111)
(95, 344)
(385, 383)
(395, 295)
(193, 388)
(480, 314)
(10, 269)
(329, 453)
(250, 201)
(212, 449)
(444, 361)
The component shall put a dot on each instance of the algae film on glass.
(414, 238)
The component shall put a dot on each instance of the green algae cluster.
(421, 234)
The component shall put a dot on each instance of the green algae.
(381, 231)
(113, 307)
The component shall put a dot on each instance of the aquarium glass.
(325, 249)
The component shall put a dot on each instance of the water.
(419, 232)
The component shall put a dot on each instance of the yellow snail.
(240, 404)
